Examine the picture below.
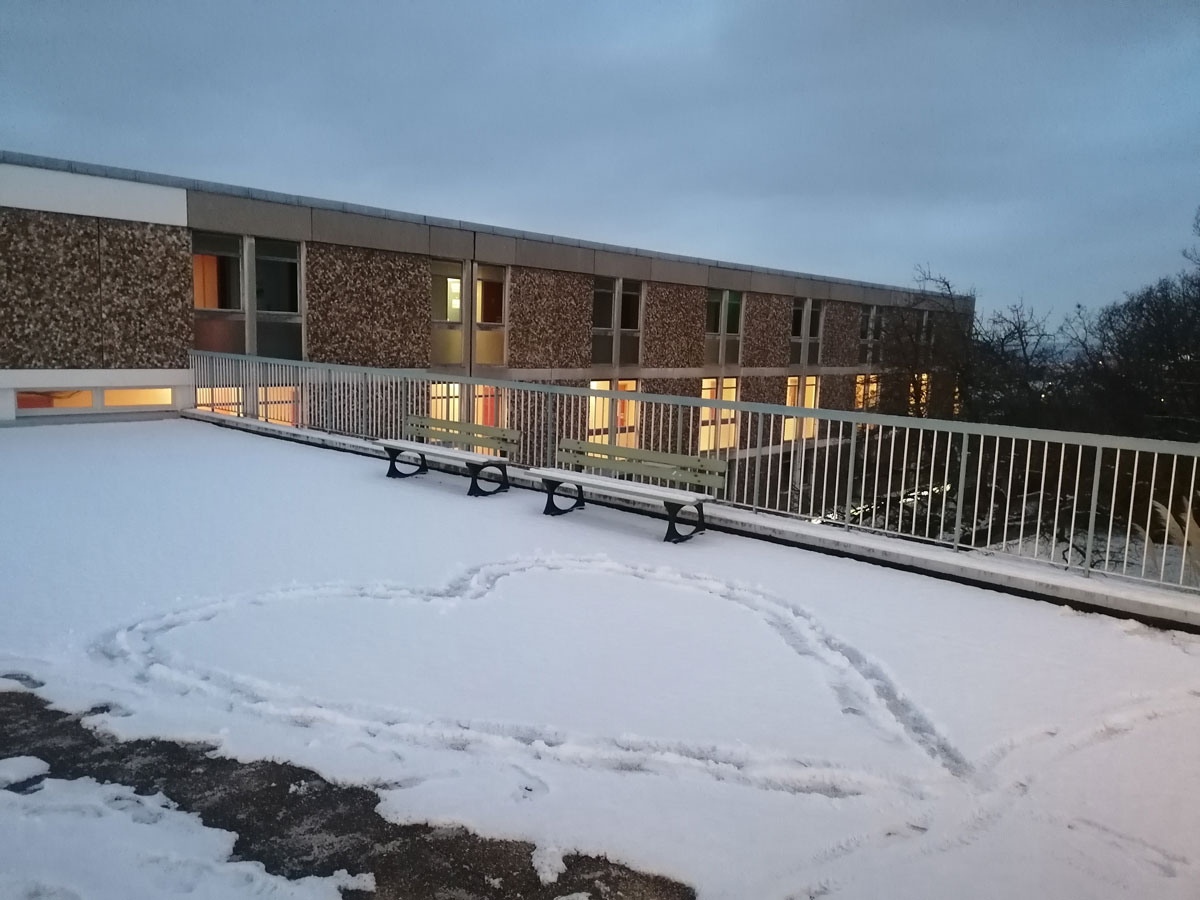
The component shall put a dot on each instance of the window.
(445, 312)
(277, 299)
(801, 392)
(918, 394)
(616, 323)
(630, 340)
(723, 327)
(613, 417)
(54, 399)
(806, 332)
(444, 400)
(718, 427)
(488, 406)
(216, 271)
(137, 397)
(218, 322)
(489, 316)
(871, 326)
(866, 391)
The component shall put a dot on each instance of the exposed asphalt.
(297, 824)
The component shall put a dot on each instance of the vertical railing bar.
(1187, 528)
(1087, 558)
(962, 486)
(1162, 569)
(1062, 455)
(1149, 512)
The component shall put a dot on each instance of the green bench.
(440, 439)
(674, 468)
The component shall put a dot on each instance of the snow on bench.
(687, 470)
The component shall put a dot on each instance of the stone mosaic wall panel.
(367, 307)
(78, 292)
(146, 294)
(767, 329)
(549, 319)
(839, 339)
(673, 326)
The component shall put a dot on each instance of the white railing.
(1093, 503)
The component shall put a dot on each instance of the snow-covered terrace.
(755, 720)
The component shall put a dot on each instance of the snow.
(67, 840)
(751, 719)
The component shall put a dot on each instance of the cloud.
(1043, 150)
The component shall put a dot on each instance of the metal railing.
(1085, 502)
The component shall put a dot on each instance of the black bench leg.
(475, 468)
(673, 533)
(393, 455)
(552, 508)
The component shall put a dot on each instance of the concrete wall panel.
(240, 215)
(351, 229)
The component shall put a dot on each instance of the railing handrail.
(1079, 438)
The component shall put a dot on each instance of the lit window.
(216, 271)
(606, 416)
(138, 397)
(866, 391)
(805, 395)
(54, 399)
(718, 427)
(918, 394)
(445, 305)
(444, 400)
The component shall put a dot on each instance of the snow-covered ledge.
(178, 381)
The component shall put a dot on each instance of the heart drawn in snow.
(584, 660)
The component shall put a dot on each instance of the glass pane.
(489, 302)
(216, 244)
(797, 318)
(814, 353)
(445, 298)
(631, 304)
(53, 399)
(280, 250)
(446, 346)
(733, 348)
(712, 350)
(277, 286)
(602, 348)
(489, 347)
(712, 313)
(631, 345)
(814, 320)
(733, 313)
(138, 397)
(220, 334)
(864, 323)
(215, 282)
(797, 355)
(279, 340)
(602, 309)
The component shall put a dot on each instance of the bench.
(670, 467)
(446, 432)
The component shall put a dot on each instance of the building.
(109, 276)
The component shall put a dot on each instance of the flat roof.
(192, 184)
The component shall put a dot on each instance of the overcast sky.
(1045, 150)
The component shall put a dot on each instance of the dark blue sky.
(1047, 150)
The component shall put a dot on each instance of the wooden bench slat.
(650, 470)
(702, 463)
(616, 485)
(510, 435)
(436, 450)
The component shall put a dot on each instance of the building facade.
(108, 277)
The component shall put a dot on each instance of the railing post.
(1091, 536)
(549, 455)
(757, 461)
(962, 486)
(612, 422)
(850, 469)
(679, 429)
